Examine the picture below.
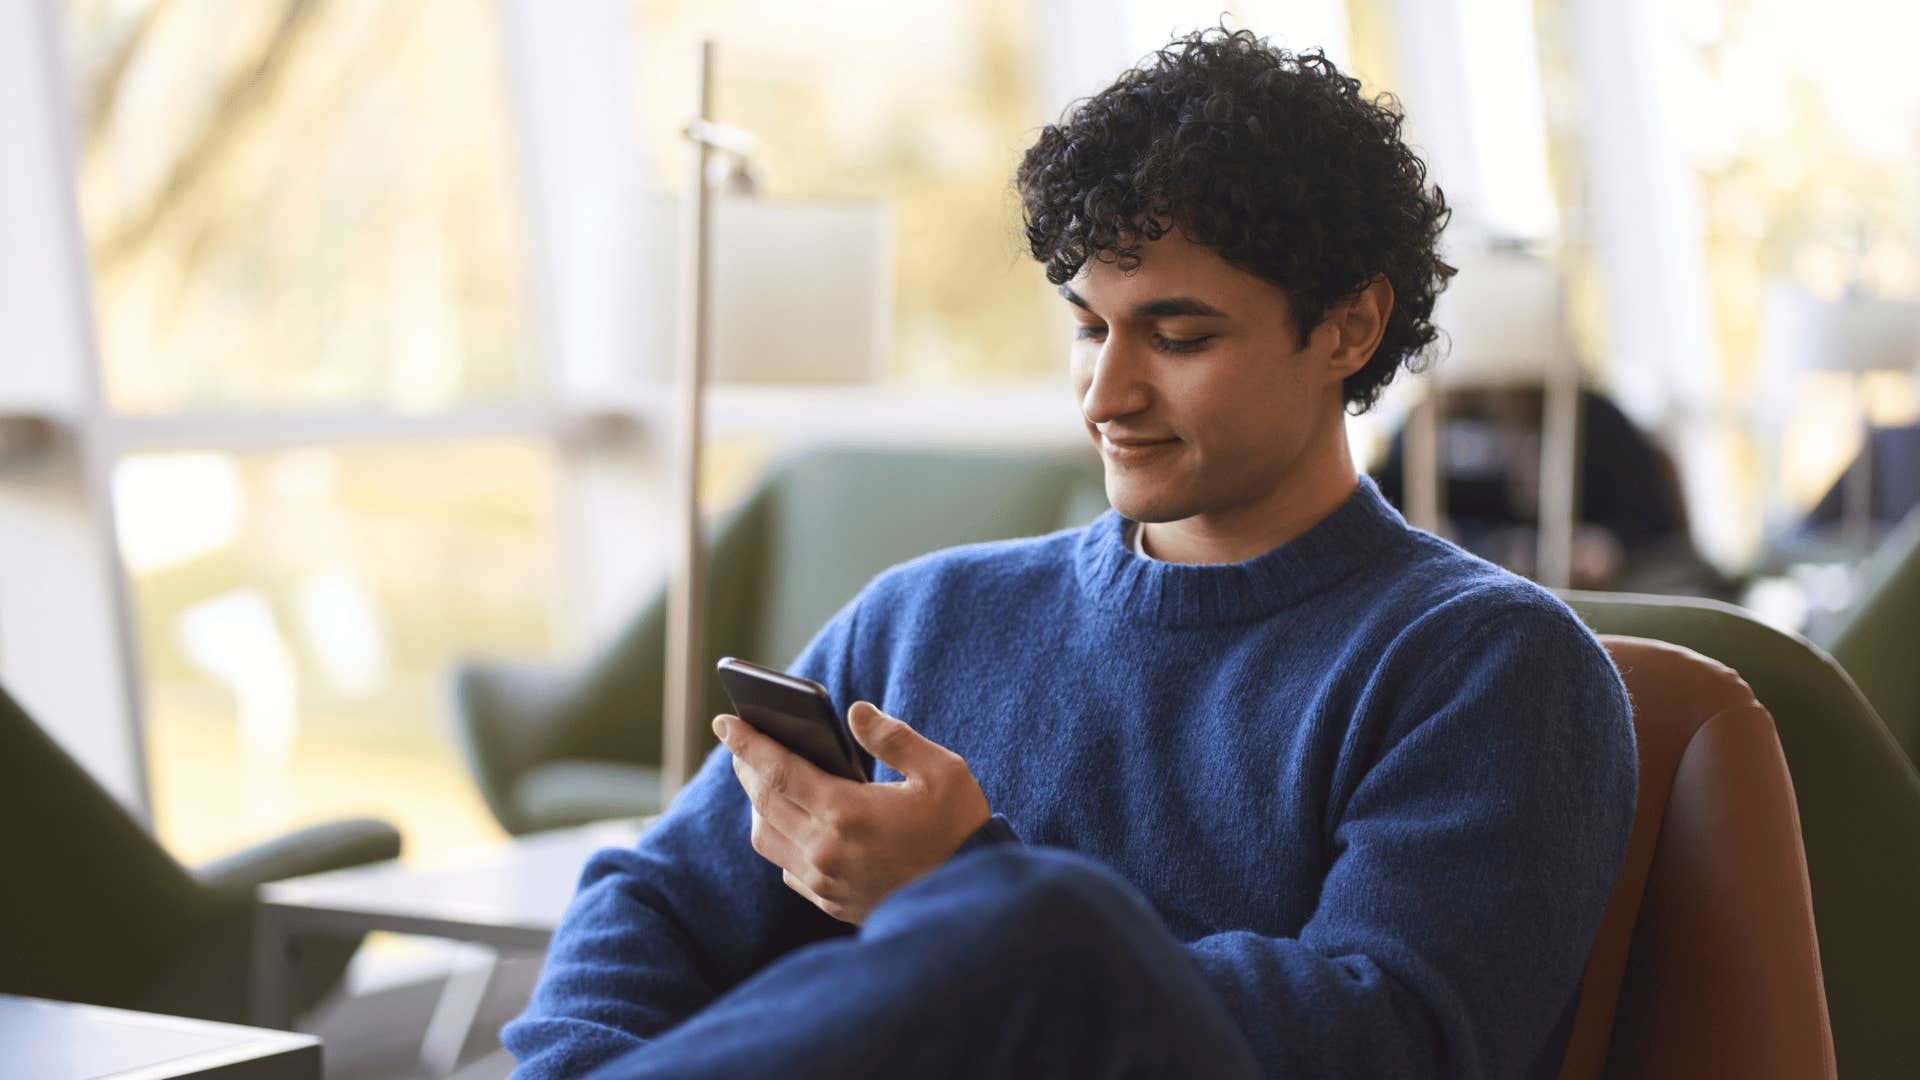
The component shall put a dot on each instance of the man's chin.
(1137, 505)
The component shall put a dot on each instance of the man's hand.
(845, 845)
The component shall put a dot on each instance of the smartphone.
(798, 713)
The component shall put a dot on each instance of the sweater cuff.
(997, 830)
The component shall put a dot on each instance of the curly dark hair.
(1274, 159)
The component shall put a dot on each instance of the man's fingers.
(793, 882)
(894, 741)
(796, 869)
(771, 773)
(783, 813)
(828, 906)
(804, 803)
(774, 845)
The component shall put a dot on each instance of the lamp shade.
(802, 289)
(1503, 316)
(1857, 333)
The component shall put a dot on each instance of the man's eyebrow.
(1165, 307)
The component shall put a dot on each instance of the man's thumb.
(887, 738)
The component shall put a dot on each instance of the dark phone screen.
(797, 713)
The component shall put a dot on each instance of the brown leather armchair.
(1706, 963)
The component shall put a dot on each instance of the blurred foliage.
(298, 202)
(1800, 134)
(453, 540)
(452, 549)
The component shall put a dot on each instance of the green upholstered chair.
(1859, 803)
(92, 909)
(1875, 637)
(551, 747)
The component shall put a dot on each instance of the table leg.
(454, 1013)
(272, 988)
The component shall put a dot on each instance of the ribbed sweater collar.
(1189, 594)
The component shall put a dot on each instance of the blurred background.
(349, 347)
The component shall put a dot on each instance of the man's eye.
(1160, 341)
(1182, 345)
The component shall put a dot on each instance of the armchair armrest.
(332, 845)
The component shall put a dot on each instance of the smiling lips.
(1130, 450)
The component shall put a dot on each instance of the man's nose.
(1118, 386)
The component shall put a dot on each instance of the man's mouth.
(1127, 451)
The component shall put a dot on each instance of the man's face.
(1205, 357)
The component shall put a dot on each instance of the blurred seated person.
(1632, 532)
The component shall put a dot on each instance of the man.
(1244, 778)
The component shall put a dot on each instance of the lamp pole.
(686, 593)
(687, 588)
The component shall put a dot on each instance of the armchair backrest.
(91, 907)
(1858, 802)
(836, 517)
(1873, 638)
(1707, 963)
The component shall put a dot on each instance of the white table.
(60, 1040)
(507, 896)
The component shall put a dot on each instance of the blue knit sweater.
(1379, 788)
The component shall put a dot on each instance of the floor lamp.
(805, 297)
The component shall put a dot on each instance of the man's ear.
(1358, 323)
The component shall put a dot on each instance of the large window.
(309, 209)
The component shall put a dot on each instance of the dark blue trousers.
(1008, 961)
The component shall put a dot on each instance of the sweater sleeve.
(997, 830)
(1468, 868)
(658, 930)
